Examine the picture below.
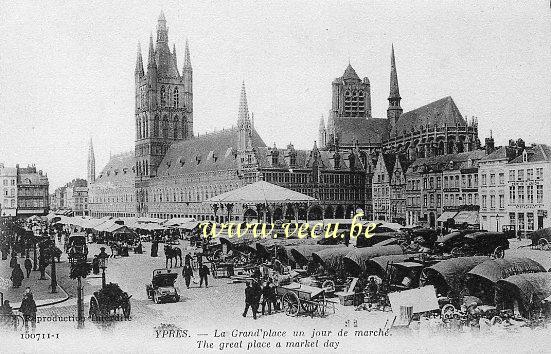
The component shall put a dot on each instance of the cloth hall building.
(172, 171)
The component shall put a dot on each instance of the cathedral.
(172, 172)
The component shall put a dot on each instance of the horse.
(173, 252)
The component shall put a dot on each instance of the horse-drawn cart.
(310, 300)
(110, 298)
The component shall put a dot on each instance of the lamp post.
(497, 222)
(102, 259)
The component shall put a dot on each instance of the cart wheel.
(328, 286)
(94, 308)
(447, 312)
(126, 310)
(543, 244)
(291, 304)
(499, 252)
(156, 298)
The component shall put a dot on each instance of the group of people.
(253, 294)
(27, 309)
(204, 272)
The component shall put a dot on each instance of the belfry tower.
(164, 107)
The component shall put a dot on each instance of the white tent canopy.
(260, 192)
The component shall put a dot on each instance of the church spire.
(139, 63)
(394, 110)
(394, 90)
(91, 164)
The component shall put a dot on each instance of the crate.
(350, 299)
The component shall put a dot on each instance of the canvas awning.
(467, 216)
(260, 192)
(446, 215)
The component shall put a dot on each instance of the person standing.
(28, 266)
(204, 271)
(268, 297)
(187, 273)
(17, 276)
(154, 248)
(250, 298)
(13, 260)
(28, 309)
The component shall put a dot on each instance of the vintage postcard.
(275, 176)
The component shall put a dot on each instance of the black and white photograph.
(275, 176)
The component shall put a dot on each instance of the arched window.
(139, 128)
(165, 127)
(156, 126)
(175, 97)
(163, 96)
(176, 127)
(184, 128)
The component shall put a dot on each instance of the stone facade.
(8, 188)
(442, 183)
(32, 192)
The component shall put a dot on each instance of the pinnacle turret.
(139, 63)
(151, 55)
(187, 59)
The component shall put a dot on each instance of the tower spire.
(243, 114)
(394, 110)
(394, 89)
(162, 31)
(91, 163)
(139, 62)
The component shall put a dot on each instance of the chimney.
(489, 144)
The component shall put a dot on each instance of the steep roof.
(536, 153)
(361, 131)
(260, 192)
(459, 160)
(441, 112)
(350, 73)
(118, 171)
(210, 152)
(499, 154)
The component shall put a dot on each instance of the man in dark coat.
(13, 260)
(187, 273)
(268, 297)
(250, 300)
(17, 276)
(204, 271)
(154, 248)
(28, 266)
(28, 309)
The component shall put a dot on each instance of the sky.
(67, 68)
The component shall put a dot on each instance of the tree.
(80, 270)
